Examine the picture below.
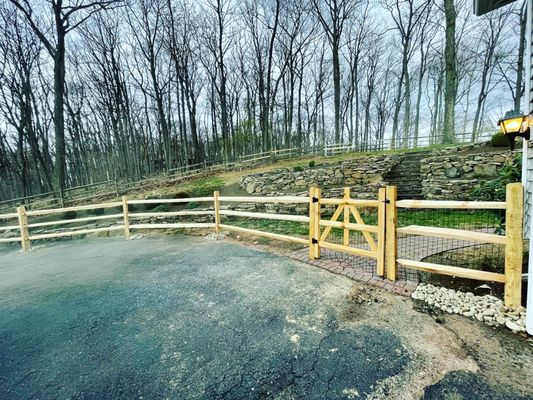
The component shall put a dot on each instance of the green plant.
(97, 211)
(499, 140)
(204, 187)
(297, 168)
(494, 190)
(192, 205)
(161, 208)
(311, 164)
(152, 206)
(70, 215)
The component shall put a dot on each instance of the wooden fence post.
(125, 213)
(382, 215)
(216, 200)
(311, 223)
(391, 236)
(62, 198)
(346, 231)
(316, 229)
(513, 244)
(24, 233)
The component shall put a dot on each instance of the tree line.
(96, 90)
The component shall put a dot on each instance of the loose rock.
(488, 309)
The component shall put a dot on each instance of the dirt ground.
(186, 318)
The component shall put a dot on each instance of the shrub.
(152, 206)
(499, 140)
(298, 168)
(162, 208)
(494, 190)
(192, 205)
(311, 164)
(97, 211)
(70, 215)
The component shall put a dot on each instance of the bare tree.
(67, 16)
(333, 15)
(408, 17)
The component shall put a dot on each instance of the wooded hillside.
(97, 90)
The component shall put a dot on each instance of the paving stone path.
(364, 269)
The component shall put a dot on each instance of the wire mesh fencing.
(356, 239)
(453, 252)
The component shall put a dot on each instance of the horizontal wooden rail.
(281, 217)
(347, 249)
(448, 233)
(269, 235)
(453, 271)
(255, 159)
(462, 205)
(173, 225)
(10, 240)
(77, 208)
(8, 216)
(169, 214)
(75, 233)
(276, 199)
(169, 201)
(73, 221)
(353, 227)
(9, 227)
(350, 202)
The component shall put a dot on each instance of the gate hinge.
(314, 241)
(386, 201)
(315, 199)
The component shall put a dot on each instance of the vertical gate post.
(125, 215)
(346, 231)
(311, 223)
(216, 200)
(23, 224)
(382, 199)
(513, 244)
(391, 236)
(316, 229)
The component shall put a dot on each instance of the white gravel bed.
(487, 308)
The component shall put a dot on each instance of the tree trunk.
(59, 104)
(337, 91)
(450, 89)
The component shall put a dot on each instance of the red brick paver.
(342, 267)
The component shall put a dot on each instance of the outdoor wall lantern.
(514, 124)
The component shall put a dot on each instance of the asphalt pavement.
(186, 318)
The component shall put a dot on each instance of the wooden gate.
(346, 209)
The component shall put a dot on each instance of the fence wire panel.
(357, 240)
(453, 252)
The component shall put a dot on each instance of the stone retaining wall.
(451, 175)
(446, 174)
(367, 173)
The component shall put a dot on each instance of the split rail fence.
(380, 240)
